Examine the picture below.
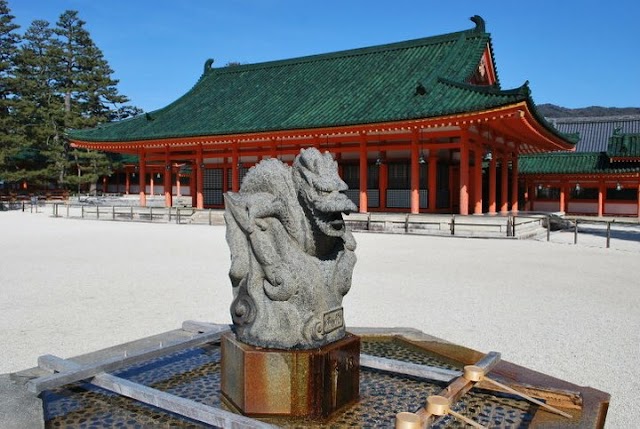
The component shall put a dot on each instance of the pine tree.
(56, 79)
(10, 138)
(90, 97)
(39, 107)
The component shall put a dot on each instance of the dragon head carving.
(321, 191)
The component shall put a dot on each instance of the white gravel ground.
(71, 286)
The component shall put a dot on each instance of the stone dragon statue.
(292, 257)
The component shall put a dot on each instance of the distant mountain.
(553, 111)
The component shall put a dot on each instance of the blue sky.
(575, 53)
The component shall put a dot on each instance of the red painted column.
(601, 191)
(514, 182)
(127, 183)
(383, 181)
(464, 175)
(235, 174)
(492, 182)
(199, 179)
(168, 200)
(143, 178)
(433, 182)
(477, 180)
(638, 200)
(178, 184)
(363, 174)
(415, 174)
(534, 196)
(152, 183)
(563, 197)
(504, 183)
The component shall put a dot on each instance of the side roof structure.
(621, 156)
(424, 78)
(594, 132)
(586, 163)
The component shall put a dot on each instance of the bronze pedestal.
(309, 384)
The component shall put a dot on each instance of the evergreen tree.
(56, 79)
(90, 97)
(39, 108)
(10, 139)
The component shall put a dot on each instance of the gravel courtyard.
(572, 311)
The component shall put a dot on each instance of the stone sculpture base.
(310, 384)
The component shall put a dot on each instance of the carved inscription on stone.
(333, 320)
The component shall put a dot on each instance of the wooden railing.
(510, 226)
(179, 215)
(609, 228)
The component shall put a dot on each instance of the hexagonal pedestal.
(290, 383)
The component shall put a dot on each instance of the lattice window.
(398, 176)
(401, 198)
(351, 175)
(212, 186)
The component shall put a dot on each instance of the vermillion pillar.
(504, 184)
(225, 179)
(168, 200)
(415, 174)
(143, 179)
(601, 191)
(638, 200)
(477, 181)
(127, 183)
(235, 174)
(527, 196)
(492, 183)
(433, 174)
(363, 174)
(464, 175)
(383, 180)
(563, 198)
(199, 179)
(514, 182)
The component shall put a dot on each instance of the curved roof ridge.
(348, 53)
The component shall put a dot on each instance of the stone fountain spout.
(292, 257)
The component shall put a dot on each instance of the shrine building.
(409, 123)
(602, 176)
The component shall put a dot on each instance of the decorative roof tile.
(624, 146)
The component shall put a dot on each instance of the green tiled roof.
(573, 163)
(624, 146)
(407, 80)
